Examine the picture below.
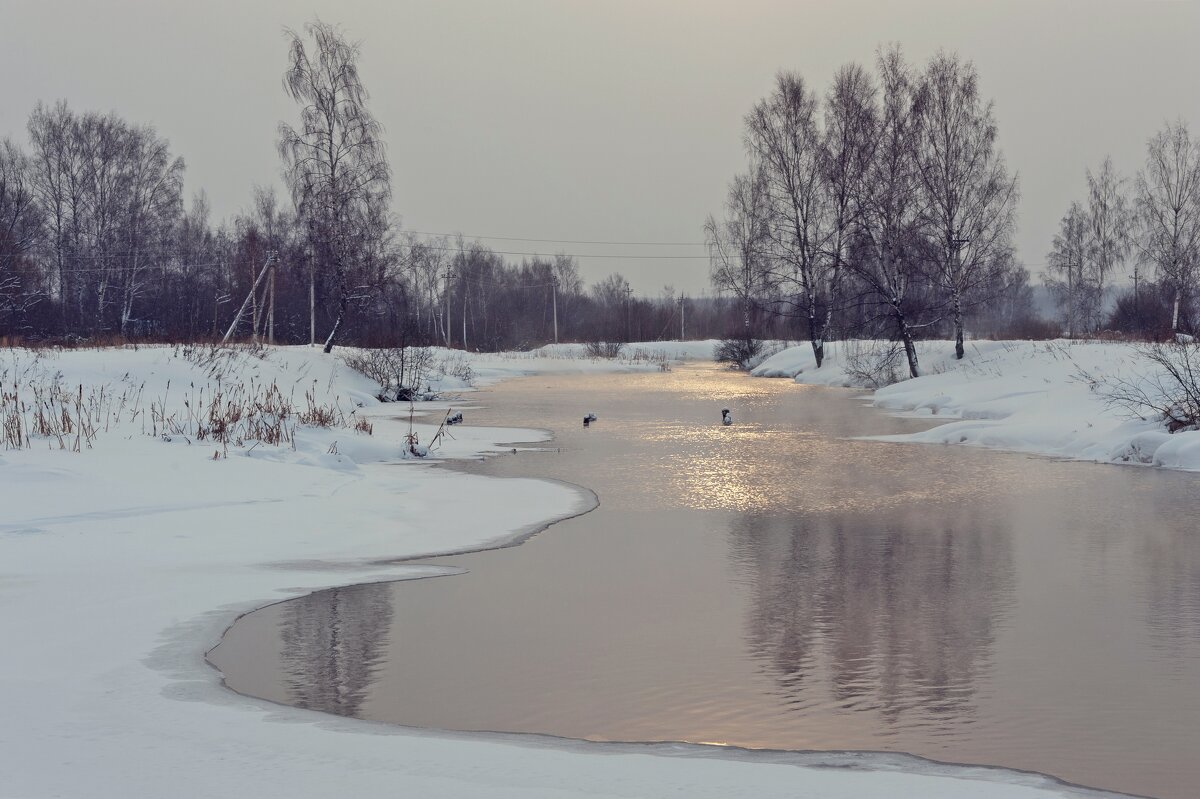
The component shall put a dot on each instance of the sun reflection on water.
(754, 467)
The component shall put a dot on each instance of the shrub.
(458, 365)
(737, 352)
(399, 371)
(874, 364)
(1169, 392)
(603, 349)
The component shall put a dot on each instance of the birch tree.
(1068, 258)
(20, 231)
(57, 181)
(334, 162)
(784, 140)
(847, 147)
(1109, 219)
(1168, 210)
(152, 183)
(970, 198)
(890, 202)
(111, 195)
(738, 245)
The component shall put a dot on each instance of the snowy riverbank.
(1014, 395)
(121, 564)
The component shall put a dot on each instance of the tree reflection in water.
(1170, 550)
(897, 620)
(333, 641)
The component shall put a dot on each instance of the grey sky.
(603, 120)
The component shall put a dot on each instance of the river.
(780, 583)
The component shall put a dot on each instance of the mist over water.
(778, 584)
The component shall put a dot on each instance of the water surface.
(774, 584)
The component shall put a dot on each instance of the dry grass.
(50, 411)
(37, 405)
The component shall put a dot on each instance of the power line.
(144, 267)
(565, 241)
(399, 247)
(394, 248)
(402, 246)
(602, 256)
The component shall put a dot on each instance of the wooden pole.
(249, 298)
(271, 309)
(446, 320)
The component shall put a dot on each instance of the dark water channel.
(772, 584)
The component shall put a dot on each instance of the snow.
(1021, 396)
(121, 565)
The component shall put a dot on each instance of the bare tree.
(1068, 257)
(1109, 226)
(970, 198)
(738, 246)
(335, 163)
(111, 196)
(153, 185)
(425, 265)
(612, 299)
(20, 230)
(890, 201)
(785, 143)
(1168, 205)
(566, 289)
(847, 148)
(195, 279)
(57, 183)
(99, 251)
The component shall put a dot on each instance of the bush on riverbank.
(739, 353)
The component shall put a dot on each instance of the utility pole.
(312, 300)
(271, 307)
(681, 328)
(254, 316)
(628, 313)
(554, 302)
(446, 320)
(237, 318)
(464, 337)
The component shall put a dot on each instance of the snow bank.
(1014, 395)
(120, 566)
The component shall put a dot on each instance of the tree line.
(1148, 229)
(882, 207)
(98, 243)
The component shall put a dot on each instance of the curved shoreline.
(123, 566)
(518, 537)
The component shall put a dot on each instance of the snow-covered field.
(122, 563)
(1023, 396)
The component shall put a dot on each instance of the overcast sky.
(597, 120)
